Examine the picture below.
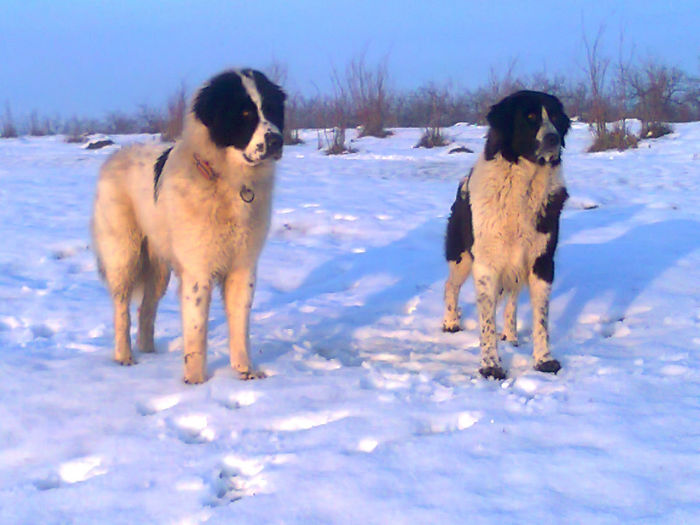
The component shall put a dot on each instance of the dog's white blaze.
(264, 125)
(546, 126)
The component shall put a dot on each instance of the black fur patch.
(548, 222)
(158, 170)
(512, 133)
(460, 232)
(228, 112)
(272, 99)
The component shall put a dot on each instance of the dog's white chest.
(506, 201)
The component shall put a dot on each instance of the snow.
(371, 414)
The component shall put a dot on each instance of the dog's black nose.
(273, 142)
(551, 140)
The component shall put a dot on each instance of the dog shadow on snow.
(364, 287)
(617, 270)
(621, 268)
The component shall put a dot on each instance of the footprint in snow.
(70, 472)
(237, 478)
(193, 429)
(158, 404)
(240, 399)
(444, 423)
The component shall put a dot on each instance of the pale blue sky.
(87, 57)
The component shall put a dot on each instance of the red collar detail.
(204, 168)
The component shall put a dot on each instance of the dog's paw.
(551, 366)
(125, 361)
(194, 379)
(513, 340)
(248, 375)
(492, 372)
(451, 327)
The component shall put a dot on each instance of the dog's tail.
(460, 234)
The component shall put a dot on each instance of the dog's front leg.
(195, 297)
(486, 297)
(239, 288)
(539, 298)
(510, 320)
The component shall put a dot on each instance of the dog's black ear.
(218, 106)
(500, 119)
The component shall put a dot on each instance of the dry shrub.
(618, 138)
(9, 130)
(151, 120)
(654, 130)
(436, 99)
(336, 109)
(119, 123)
(291, 121)
(369, 96)
(335, 140)
(40, 127)
(175, 117)
(432, 138)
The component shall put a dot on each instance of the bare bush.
(174, 121)
(369, 96)
(291, 121)
(432, 138)
(654, 130)
(39, 127)
(596, 69)
(119, 123)
(657, 91)
(606, 102)
(151, 120)
(436, 111)
(619, 138)
(77, 130)
(336, 110)
(9, 130)
(498, 86)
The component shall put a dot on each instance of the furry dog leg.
(458, 274)
(510, 320)
(539, 298)
(156, 276)
(122, 326)
(486, 297)
(239, 288)
(195, 297)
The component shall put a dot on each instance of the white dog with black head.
(200, 208)
(504, 224)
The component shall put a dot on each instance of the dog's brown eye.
(247, 114)
(532, 117)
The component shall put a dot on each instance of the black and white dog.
(504, 224)
(201, 208)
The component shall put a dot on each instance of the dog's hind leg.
(117, 243)
(459, 271)
(155, 275)
(239, 287)
(486, 298)
(510, 320)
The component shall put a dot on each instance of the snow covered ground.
(371, 414)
